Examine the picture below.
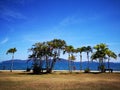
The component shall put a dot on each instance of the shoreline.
(57, 71)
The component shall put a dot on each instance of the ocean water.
(60, 65)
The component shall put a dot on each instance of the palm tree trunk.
(40, 65)
(52, 65)
(102, 65)
(80, 62)
(47, 64)
(71, 66)
(12, 63)
(69, 63)
(109, 63)
(88, 59)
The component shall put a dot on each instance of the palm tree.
(80, 50)
(57, 45)
(12, 51)
(100, 54)
(110, 54)
(72, 58)
(69, 49)
(88, 49)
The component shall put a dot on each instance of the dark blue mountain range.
(62, 64)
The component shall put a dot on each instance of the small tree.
(100, 54)
(12, 51)
(102, 51)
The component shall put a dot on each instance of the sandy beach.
(57, 71)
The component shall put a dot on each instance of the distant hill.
(61, 64)
(18, 64)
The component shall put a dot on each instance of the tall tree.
(80, 50)
(72, 58)
(11, 51)
(69, 49)
(110, 54)
(88, 49)
(57, 45)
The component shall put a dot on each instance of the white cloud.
(4, 41)
(113, 43)
(9, 14)
(33, 40)
(69, 20)
(21, 2)
(75, 19)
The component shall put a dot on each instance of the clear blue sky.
(78, 22)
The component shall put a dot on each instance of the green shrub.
(87, 70)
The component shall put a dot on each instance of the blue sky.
(78, 22)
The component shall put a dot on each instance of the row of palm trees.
(50, 52)
(71, 50)
(101, 53)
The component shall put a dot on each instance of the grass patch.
(59, 81)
